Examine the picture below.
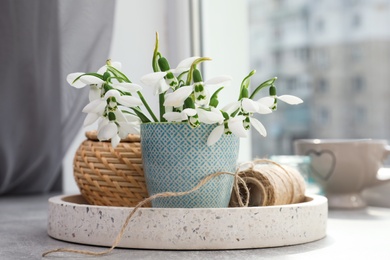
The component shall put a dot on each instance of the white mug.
(344, 167)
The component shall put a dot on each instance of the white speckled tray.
(72, 219)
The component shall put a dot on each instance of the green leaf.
(141, 115)
(89, 74)
(118, 73)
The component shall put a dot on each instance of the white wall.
(225, 40)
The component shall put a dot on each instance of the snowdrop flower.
(249, 107)
(189, 114)
(164, 80)
(271, 101)
(179, 116)
(233, 125)
(108, 130)
(109, 103)
(80, 80)
(118, 129)
(94, 80)
(202, 96)
(211, 116)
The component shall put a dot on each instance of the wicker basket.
(110, 176)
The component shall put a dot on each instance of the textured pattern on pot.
(175, 159)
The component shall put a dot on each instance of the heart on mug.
(322, 163)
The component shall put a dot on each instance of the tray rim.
(310, 200)
(315, 231)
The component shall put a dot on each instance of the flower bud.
(197, 76)
(272, 90)
(163, 64)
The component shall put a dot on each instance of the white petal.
(250, 106)
(210, 117)
(189, 111)
(219, 81)
(125, 129)
(289, 99)
(215, 135)
(94, 93)
(89, 79)
(162, 87)
(263, 109)
(135, 120)
(129, 101)
(120, 117)
(237, 127)
(184, 65)
(258, 126)
(152, 79)
(112, 93)
(97, 106)
(72, 76)
(90, 119)
(108, 131)
(127, 87)
(177, 98)
(174, 116)
(115, 140)
(267, 101)
(116, 64)
(231, 107)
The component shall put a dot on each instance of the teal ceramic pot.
(175, 159)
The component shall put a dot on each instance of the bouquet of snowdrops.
(184, 96)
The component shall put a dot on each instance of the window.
(356, 21)
(357, 85)
(343, 61)
(322, 86)
(322, 117)
(320, 25)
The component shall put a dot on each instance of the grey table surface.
(351, 234)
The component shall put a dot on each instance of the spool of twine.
(269, 183)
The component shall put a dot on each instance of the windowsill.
(356, 234)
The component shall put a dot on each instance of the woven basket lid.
(92, 135)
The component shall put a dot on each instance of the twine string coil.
(269, 183)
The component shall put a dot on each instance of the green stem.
(245, 83)
(161, 100)
(263, 85)
(147, 106)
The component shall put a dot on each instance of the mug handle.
(385, 177)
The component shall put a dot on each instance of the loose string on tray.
(237, 180)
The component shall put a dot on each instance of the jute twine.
(261, 183)
(269, 183)
(143, 202)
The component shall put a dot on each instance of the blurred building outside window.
(335, 55)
